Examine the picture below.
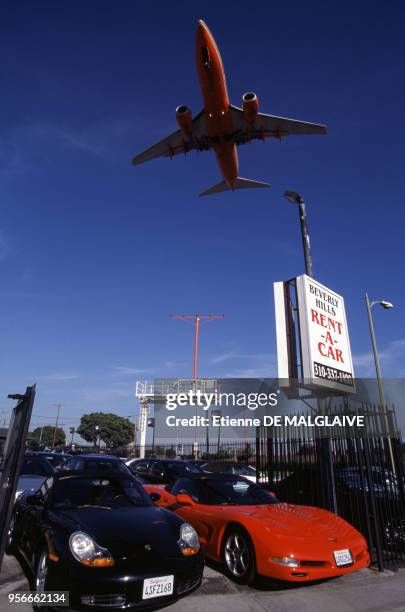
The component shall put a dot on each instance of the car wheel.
(238, 556)
(41, 575)
(10, 543)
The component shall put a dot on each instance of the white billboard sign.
(325, 345)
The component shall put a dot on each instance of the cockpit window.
(205, 56)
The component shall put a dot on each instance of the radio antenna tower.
(197, 318)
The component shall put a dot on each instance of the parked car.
(96, 462)
(247, 529)
(237, 469)
(133, 463)
(162, 471)
(55, 459)
(34, 470)
(353, 490)
(99, 536)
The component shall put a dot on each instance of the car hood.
(122, 529)
(302, 521)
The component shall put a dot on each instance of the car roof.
(96, 456)
(45, 454)
(94, 473)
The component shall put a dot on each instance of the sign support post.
(323, 444)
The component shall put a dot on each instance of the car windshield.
(105, 464)
(55, 459)
(234, 492)
(98, 492)
(35, 466)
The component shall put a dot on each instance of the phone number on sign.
(328, 373)
(56, 598)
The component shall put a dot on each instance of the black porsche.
(99, 536)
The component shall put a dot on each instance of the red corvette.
(247, 529)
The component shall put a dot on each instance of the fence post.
(258, 457)
(380, 557)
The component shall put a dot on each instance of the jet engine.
(250, 106)
(184, 119)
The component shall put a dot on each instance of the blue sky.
(95, 254)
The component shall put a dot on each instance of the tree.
(43, 437)
(113, 430)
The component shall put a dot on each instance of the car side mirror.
(184, 498)
(35, 500)
(154, 496)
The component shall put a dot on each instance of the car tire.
(238, 555)
(10, 543)
(40, 578)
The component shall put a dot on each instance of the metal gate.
(360, 474)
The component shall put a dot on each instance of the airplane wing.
(177, 143)
(267, 126)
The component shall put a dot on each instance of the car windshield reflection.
(89, 492)
(234, 492)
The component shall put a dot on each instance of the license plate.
(343, 557)
(157, 587)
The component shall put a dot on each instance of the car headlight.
(289, 561)
(88, 552)
(189, 541)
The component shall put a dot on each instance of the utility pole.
(58, 407)
(197, 318)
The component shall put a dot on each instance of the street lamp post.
(387, 306)
(97, 428)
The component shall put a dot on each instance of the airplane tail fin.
(240, 183)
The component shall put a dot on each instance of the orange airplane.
(220, 125)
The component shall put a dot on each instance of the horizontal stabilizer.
(240, 183)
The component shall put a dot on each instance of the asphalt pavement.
(362, 591)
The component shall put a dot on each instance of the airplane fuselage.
(221, 126)
(218, 116)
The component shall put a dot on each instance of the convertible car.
(100, 537)
(246, 528)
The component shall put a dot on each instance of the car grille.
(187, 585)
(312, 563)
(104, 601)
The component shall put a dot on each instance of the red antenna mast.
(197, 318)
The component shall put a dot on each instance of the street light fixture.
(387, 306)
(296, 198)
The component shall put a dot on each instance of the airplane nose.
(202, 26)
